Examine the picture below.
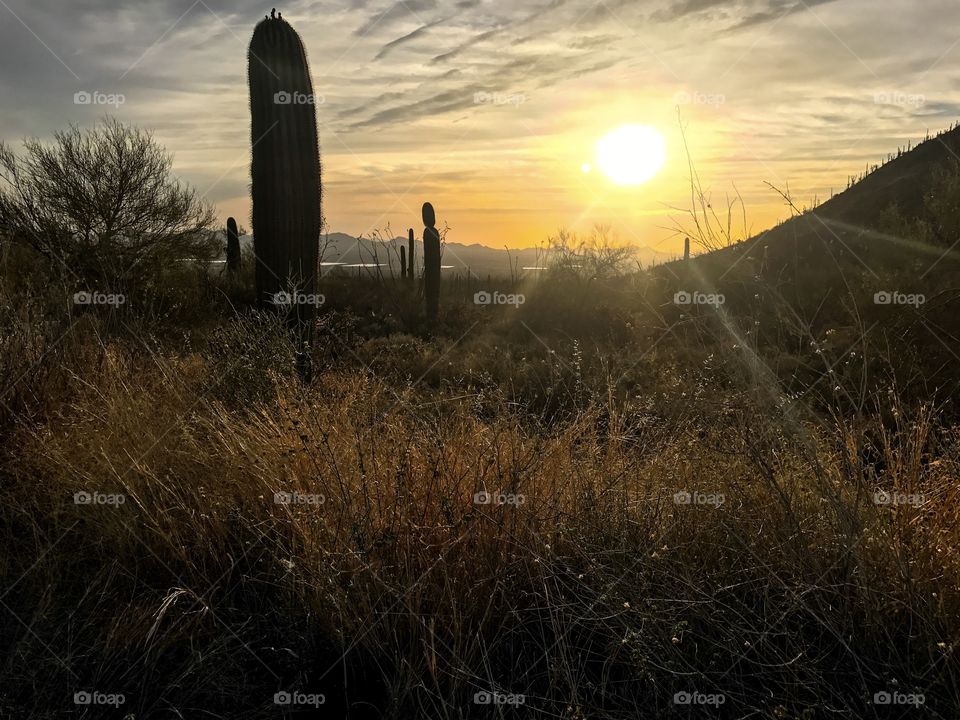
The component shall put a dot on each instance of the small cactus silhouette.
(431, 262)
(686, 248)
(233, 247)
(411, 273)
(403, 262)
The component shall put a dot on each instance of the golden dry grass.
(397, 595)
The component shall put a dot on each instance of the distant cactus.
(431, 262)
(411, 275)
(285, 171)
(233, 247)
(686, 248)
(403, 262)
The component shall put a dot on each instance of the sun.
(631, 154)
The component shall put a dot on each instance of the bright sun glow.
(632, 154)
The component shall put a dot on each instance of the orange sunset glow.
(495, 112)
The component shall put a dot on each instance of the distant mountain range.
(343, 251)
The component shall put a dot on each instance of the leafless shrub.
(102, 205)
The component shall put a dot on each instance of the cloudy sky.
(492, 109)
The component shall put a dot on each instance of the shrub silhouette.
(102, 207)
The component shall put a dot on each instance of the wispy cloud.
(399, 11)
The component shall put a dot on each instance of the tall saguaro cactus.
(285, 171)
(431, 262)
(233, 247)
(403, 262)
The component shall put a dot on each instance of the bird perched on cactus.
(285, 171)
(431, 262)
(233, 247)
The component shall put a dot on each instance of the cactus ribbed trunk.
(431, 262)
(403, 262)
(233, 247)
(413, 273)
(285, 171)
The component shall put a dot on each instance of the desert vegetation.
(592, 501)
(722, 487)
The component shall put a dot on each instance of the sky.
(492, 110)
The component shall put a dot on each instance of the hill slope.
(853, 226)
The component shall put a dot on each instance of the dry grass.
(597, 596)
